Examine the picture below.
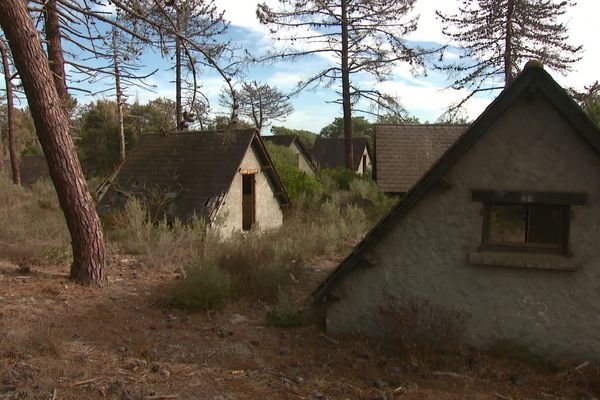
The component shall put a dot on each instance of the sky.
(425, 97)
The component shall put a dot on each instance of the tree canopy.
(589, 100)
(260, 103)
(495, 38)
(307, 137)
(362, 127)
(360, 36)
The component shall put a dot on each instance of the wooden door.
(248, 201)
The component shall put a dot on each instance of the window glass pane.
(507, 224)
(545, 224)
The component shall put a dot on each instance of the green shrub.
(205, 287)
(295, 181)
(284, 315)
(54, 255)
(367, 189)
(340, 176)
(256, 266)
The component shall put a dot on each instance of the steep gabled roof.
(532, 81)
(33, 168)
(191, 171)
(329, 152)
(287, 141)
(406, 152)
(280, 140)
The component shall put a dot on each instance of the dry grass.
(132, 231)
(420, 329)
(44, 339)
(255, 265)
(33, 227)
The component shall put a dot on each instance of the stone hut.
(330, 153)
(294, 143)
(224, 177)
(502, 229)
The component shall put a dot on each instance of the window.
(529, 227)
(527, 221)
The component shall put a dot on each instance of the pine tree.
(497, 37)
(362, 36)
(260, 103)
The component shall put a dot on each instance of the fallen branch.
(458, 376)
(328, 339)
(212, 353)
(85, 382)
(580, 366)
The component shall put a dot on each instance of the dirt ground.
(64, 341)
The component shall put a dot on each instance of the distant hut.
(330, 153)
(294, 143)
(220, 177)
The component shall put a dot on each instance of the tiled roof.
(329, 152)
(406, 152)
(185, 173)
(280, 140)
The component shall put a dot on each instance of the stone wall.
(268, 211)
(530, 147)
(360, 169)
(302, 162)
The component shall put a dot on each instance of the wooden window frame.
(561, 248)
(564, 200)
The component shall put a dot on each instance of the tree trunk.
(10, 117)
(508, 43)
(119, 97)
(55, 53)
(52, 127)
(260, 120)
(2, 167)
(346, 90)
(178, 105)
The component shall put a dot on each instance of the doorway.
(248, 201)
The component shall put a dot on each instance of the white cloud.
(284, 80)
(429, 28)
(422, 96)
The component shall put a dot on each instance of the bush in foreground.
(284, 314)
(205, 287)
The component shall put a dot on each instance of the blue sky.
(422, 96)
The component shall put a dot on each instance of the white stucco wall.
(426, 255)
(360, 169)
(302, 161)
(268, 211)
